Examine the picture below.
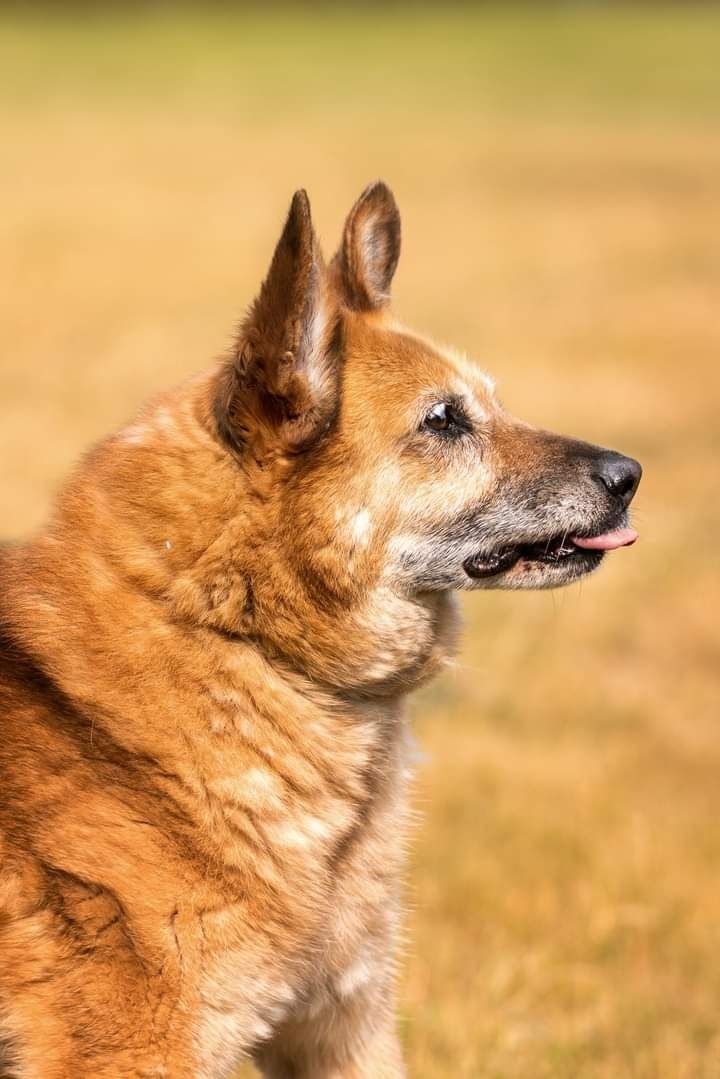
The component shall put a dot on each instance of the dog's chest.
(320, 925)
(248, 993)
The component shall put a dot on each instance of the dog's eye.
(442, 417)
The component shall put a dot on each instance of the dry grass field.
(558, 170)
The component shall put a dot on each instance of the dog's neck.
(162, 524)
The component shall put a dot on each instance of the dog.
(203, 663)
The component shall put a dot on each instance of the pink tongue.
(608, 541)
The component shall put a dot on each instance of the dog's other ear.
(281, 386)
(364, 266)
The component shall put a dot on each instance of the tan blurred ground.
(558, 170)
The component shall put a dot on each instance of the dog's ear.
(363, 267)
(280, 388)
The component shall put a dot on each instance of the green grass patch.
(621, 61)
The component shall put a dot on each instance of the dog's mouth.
(576, 551)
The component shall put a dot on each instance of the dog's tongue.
(607, 541)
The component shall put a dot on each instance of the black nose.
(621, 475)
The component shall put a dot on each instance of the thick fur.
(203, 662)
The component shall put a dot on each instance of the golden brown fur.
(203, 662)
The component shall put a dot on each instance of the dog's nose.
(620, 475)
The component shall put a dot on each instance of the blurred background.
(558, 172)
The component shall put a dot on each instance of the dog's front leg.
(337, 1037)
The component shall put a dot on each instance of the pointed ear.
(281, 386)
(363, 268)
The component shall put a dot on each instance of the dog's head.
(391, 459)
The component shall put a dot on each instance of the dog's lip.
(553, 552)
(607, 541)
(550, 552)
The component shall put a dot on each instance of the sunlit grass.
(633, 63)
(557, 168)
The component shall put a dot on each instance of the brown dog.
(203, 663)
